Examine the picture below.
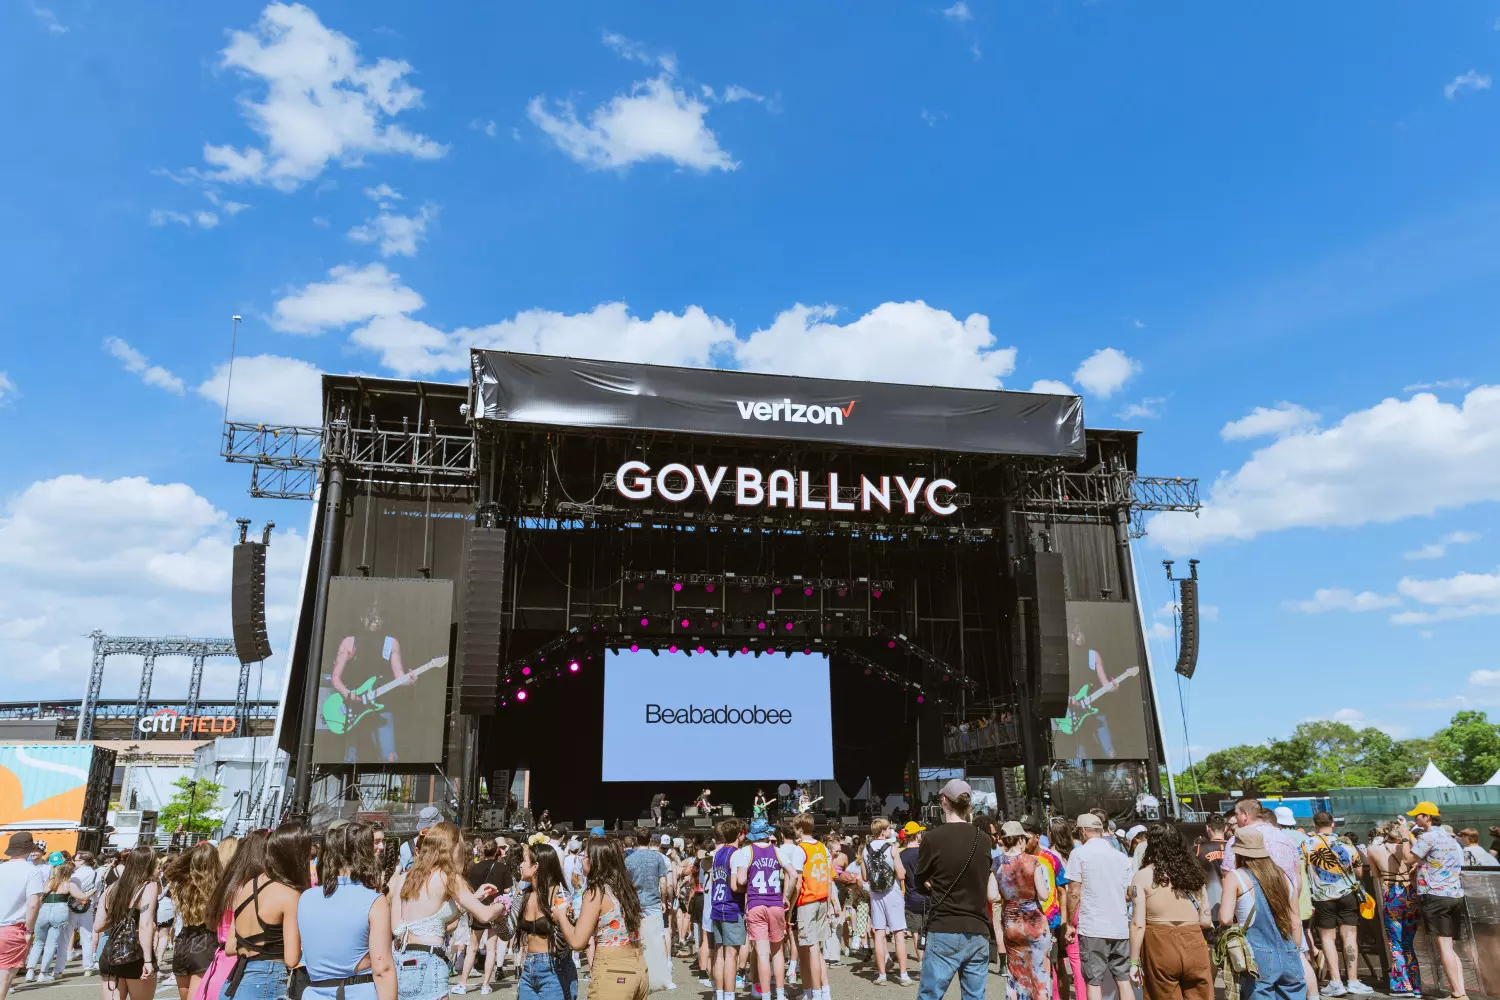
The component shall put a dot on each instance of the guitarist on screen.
(359, 657)
(1097, 732)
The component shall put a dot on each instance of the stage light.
(525, 671)
(806, 591)
(521, 695)
(891, 644)
(684, 623)
(676, 588)
(671, 649)
(776, 591)
(876, 595)
(790, 626)
(708, 587)
(808, 651)
(843, 591)
(645, 622)
(867, 671)
(761, 626)
(744, 649)
(634, 648)
(573, 667)
(920, 699)
(700, 649)
(771, 649)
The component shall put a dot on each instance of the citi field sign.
(166, 721)
(752, 487)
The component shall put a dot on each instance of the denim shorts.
(263, 979)
(420, 975)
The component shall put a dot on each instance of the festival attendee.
(686, 879)
(1286, 852)
(1168, 953)
(1333, 869)
(488, 870)
(193, 877)
(52, 919)
(812, 874)
(1258, 900)
(726, 912)
(1060, 832)
(345, 922)
(128, 968)
(790, 853)
(1102, 873)
(425, 899)
(1439, 863)
(166, 907)
(263, 936)
(651, 874)
(1398, 909)
(758, 872)
(547, 972)
(610, 918)
(1017, 885)
(1474, 855)
(1210, 855)
(914, 900)
(22, 886)
(884, 873)
(81, 917)
(244, 859)
(427, 818)
(952, 872)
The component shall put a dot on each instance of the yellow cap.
(912, 826)
(1423, 809)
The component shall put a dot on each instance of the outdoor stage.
(894, 559)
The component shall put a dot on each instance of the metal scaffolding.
(149, 648)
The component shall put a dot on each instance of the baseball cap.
(760, 830)
(1426, 808)
(666, 840)
(1012, 829)
(56, 858)
(1088, 821)
(1284, 816)
(1138, 828)
(537, 838)
(955, 788)
(1250, 843)
(428, 818)
(912, 828)
(597, 831)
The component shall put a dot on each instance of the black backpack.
(880, 873)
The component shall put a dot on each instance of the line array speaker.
(248, 602)
(1051, 635)
(479, 638)
(1187, 649)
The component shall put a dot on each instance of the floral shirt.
(1441, 862)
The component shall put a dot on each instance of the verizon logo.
(794, 413)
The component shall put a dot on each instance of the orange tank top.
(815, 867)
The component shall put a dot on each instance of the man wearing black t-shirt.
(488, 870)
(953, 868)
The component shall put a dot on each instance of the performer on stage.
(703, 803)
(659, 807)
(1086, 722)
(359, 657)
(758, 808)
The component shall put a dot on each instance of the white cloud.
(320, 221)
(1105, 371)
(1275, 421)
(656, 120)
(959, 12)
(1052, 387)
(351, 295)
(7, 389)
(1439, 548)
(163, 216)
(629, 49)
(1397, 459)
(130, 557)
(49, 18)
(384, 193)
(1339, 599)
(1159, 632)
(1447, 383)
(1147, 409)
(1466, 83)
(268, 389)
(1359, 720)
(396, 234)
(931, 118)
(322, 103)
(734, 92)
(1465, 595)
(135, 362)
(487, 126)
(1484, 678)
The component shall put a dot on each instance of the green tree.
(195, 806)
(1468, 748)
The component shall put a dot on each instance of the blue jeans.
(264, 979)
(964, 955)
(546, 978)
(51, 925)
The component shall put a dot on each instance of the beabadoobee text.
(752, 487)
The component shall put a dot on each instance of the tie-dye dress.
(1028, 939)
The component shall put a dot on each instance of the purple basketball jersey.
(763, 879)
(724, 903)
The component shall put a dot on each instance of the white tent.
(1433, 778)
(1494, 779)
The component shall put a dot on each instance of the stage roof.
(542, 390)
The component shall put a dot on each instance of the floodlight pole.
(333, 507)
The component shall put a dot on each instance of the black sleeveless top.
(268, 942)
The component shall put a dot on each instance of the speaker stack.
(248, 602)
(1051, 635)
(1187, 649)
(479, 638)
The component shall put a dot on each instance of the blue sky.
(1265, 236)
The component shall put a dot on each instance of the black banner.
(572, 392)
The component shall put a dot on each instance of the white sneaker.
(459, 988)
(485, 989)
(31, 975)
(882, 981)
(46, 977)
(1334, 989)
(906, 980)
(1355, 986)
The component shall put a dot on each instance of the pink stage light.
(761, 626)
(573, 667)
(684, 623)
(877, 595)
(891, 644)
(920, 699)
(671, 649)
(520, 695)
(806, 591)
(525, 671)
(708, 587)
(744, 649)
(677, 588)
(634, 648)
(700, 649)
(770, 649)
(776, 591)
(790, 626)
(645, 622)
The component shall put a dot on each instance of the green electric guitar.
(1081, 705)
(340, 714)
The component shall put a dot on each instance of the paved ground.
(849, 982)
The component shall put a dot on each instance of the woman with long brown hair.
(1258, 899)
(128, 967)
(235, 860)
(610, 917)
(263, 936)
(345, 922)
(1171, 912)
(194, 877)
(547, 969)
(425, 903)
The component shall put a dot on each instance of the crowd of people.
(1078, 907)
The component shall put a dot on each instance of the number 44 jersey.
(763, 878)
